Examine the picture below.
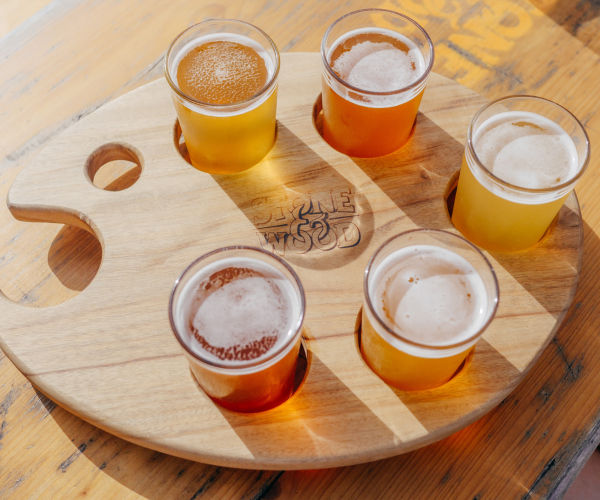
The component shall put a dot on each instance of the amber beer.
(375, 66)
(429, 295)
(238, 313)
(223, 74)
(523, 156)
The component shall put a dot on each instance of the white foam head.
(237, 313)
(526, 149)
(379, 66)
(241, 312)
(429, 295)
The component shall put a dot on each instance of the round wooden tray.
(108, 355)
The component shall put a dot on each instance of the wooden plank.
(15, 12)
(69, 457)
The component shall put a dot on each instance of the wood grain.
(108, 354)
(530, 446)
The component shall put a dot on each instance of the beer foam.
(241, 312)
(377, 67)
(377, 60)
(237, 309)
(223, 68)
(222, 72)
(526, 149)
(429, 295)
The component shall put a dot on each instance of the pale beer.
(224, 80)
(522, 159)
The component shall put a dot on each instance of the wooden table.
(62, 60)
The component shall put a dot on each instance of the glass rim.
(498, 180)
(175, 86)
(400, 90)
(397, 335)
(296, 326)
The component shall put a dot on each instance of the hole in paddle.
(114, 167)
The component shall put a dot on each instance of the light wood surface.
(61, 60)
(109, 356)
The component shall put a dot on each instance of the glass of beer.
(238, 313)
(428, 297)
(522, 158)
(375, 66)
(223, 76)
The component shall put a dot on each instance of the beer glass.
(375, 66)
(428, 297)
(238, 313)
(223, 77)
(522, 158)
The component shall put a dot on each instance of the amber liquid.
(252, 392)
(225, 139)
(248, 390)
(365, 130)
(403, 370)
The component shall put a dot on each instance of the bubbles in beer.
(239, 313)
(222, 72)
(376, 60)
(526, 149)
(430, 295)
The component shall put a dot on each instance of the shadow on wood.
(302, 208)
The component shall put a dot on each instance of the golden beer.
(238, 314)
(373, 81)
(429, 295)
(224, 80)
(522, 159)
